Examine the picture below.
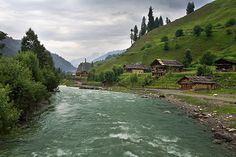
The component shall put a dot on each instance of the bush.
(8, 113)
(166, 46)
(204, 70)
(177, 46)
(164, 39)
(133, 79)
(230, 22)
(208, 59)
(188, 58)
(147, 80)
(229, 32)
(197, 30)
(50, 79)
(208, 30)
(179, 33)
(109, 77)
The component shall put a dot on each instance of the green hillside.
(150, 46)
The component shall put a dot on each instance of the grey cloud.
(83, 25)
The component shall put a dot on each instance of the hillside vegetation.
(150, 46)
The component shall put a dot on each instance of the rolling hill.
(12, 47)
(150, 46)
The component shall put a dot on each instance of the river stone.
(224, 136)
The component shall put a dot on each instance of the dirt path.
(181, 93)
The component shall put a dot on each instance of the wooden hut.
(161, 66)
(196, 83)
(135, 68)
(225, 65)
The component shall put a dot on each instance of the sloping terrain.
(150, 46)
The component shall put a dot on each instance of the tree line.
(25, 81)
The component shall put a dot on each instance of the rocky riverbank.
(219, 124)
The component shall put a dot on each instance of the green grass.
(150, 46)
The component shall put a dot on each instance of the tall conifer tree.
(151, 22)
(135, 33)
(161, 23)
(143, 27)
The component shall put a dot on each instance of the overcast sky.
(81, 28)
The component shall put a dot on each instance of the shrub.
(50, 79)
(229, 32)
(230, 22)
(133, 79)
(147, 80)
(197, 30)
(8, 113)
(208, 30)
(166, 46)
(177, 46)
(207, 59)
(188, 58)
(179, 33)
(164, 39)
(204, 70)
(109, 77)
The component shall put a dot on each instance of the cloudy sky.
(81, 28)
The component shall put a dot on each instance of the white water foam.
(130, 154)
(126, 136)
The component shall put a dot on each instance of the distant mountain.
(103, 57)
(12, 47)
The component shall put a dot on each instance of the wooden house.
(196, 83)
(135, 68)
(225, 65)
(161, 66)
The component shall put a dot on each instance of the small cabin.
(196, 83)
(135, 69)
(82, 74)
(225, 65)
(161, 66)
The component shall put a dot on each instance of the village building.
(135, 68)
(83, 69)
(161, 66)
(225, 65)
(196, 83)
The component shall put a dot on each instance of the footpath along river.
(109, 124)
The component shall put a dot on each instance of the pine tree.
(135, 33)
(30, 42)
(188, 58)
(190, 8)
(167, 20)
(156, 22)
(143, 27)
(132, 36)
(161, 23)
(151, 22)
(2, 36)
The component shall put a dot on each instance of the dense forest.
(25, 81)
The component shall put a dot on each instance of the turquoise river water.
(109, 124)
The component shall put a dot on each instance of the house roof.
(135, 66)
(198, 79)
(230, 61)
(164, 62)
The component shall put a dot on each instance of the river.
(101, 124)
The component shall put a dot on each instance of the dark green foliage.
(92, 75)
(51, 79)
(166, 46)
(135, 33)
(177, 46)
(197, 30)
(190, 8)
(230, 22)
(157, 22)
(102, 77)
(208, 30)
(109, 77)
(161, 23)
(164, 39)
(188, 58)
(8, 113)
(143, 27)
(204, 70)
(229, 32)
(2, 36)
(29, 60)
(151, 22)
(168, 20)
(208, 59)
(147, 80)
(179, 33)
(118, 70)
(133, 79)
